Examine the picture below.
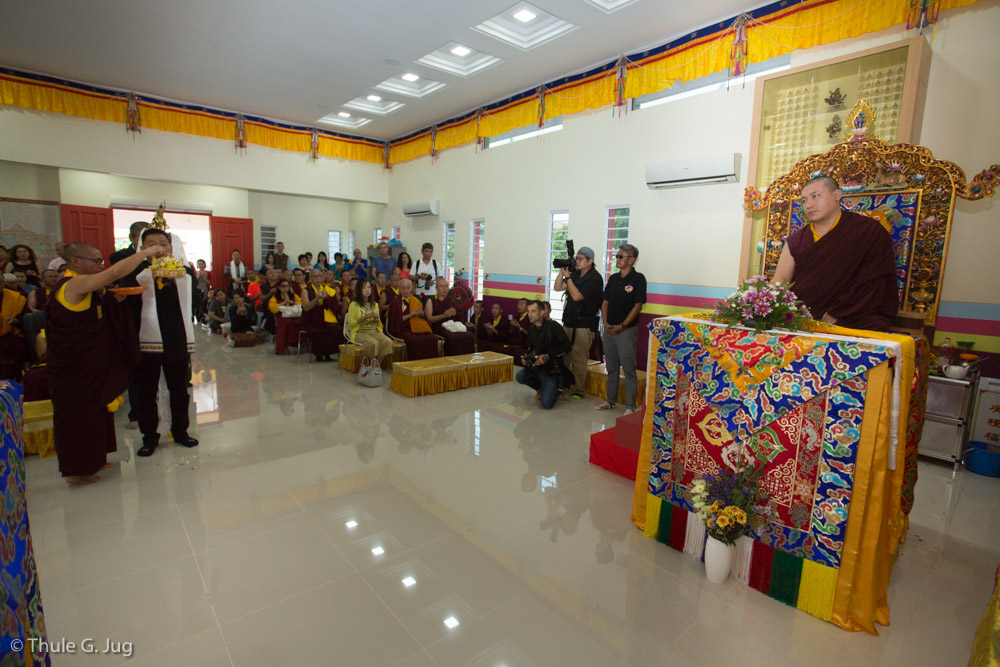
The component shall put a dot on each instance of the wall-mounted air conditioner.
(419, 208)
(694, 171)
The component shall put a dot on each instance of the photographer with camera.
(425, 273)
(584, 288)
(547, 345)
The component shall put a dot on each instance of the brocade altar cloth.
(820, 412)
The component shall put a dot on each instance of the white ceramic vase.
(718, 560)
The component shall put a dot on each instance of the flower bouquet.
(167, 266)
(730, 502)
(760, 305)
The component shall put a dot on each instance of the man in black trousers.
(166, 340)
(134, 304)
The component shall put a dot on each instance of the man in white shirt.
(60, 258)
(425, 273)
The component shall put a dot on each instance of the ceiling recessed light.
(378, 551)
(344, 114)
(373, 98)
(351, 524)
(461, 51)
(409, 77)
(524, 16)
(451, 622)
(409, 581)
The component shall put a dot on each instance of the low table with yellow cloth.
(597, 382)
(826, 414)
(434, 376)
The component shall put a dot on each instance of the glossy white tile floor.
(290, 535)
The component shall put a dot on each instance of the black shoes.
(148, 447)
(185, 440)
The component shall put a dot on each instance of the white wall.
(77, 143)
(302, 222)
(692, 235)
(28, 181)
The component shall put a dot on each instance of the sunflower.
(723, 521)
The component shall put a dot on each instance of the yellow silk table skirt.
(986, 643)
(398, 351)
(428, 376)
(487, 368)
(38, 437)
(350, 357)
(597, 382)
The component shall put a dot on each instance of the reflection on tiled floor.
(320, 523)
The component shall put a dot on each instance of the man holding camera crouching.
(547, 345)
(584, 287)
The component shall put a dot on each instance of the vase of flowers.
(759, 305)
(729, 503)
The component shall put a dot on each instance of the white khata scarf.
(150, 338)
(239, 272)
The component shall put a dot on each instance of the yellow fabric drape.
(202, 124)
(641, 492)
(651, 516)
(596, 383)
(350, 149)
(414, 147)
(350, 357)
(277, 137)
(449, 136)
(591, 93)
(13, 304)
(986, 642)
(863, 582)
(817, 588)
(514, 115)
(479, 375)
(425, 385)
(33, 94)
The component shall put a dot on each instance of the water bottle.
(946, 353)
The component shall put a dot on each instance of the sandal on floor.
(605, 406)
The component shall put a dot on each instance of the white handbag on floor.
(370, 373)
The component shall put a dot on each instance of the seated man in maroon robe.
(408, 321)
(495, 328)
(842, 265)
(387, 295)
(13, 350)
(91, 344)
(477, 325)
(320, 317)
(440, 309)
(517, 333)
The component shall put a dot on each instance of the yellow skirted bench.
(428, 376)
(38, 438)
(350, 357)
(597, 382)
(487, 368)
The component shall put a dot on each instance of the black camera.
(529, 358)
(570, 261)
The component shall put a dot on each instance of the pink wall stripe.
(686, 301)
(968, 325)
(516, 287)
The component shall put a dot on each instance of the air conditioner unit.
(419, 208)
(695, 171)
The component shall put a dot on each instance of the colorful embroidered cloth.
(22, 610)
(820, 411)
(730, 397)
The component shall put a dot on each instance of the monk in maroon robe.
(13, 349)
(517, 333)
(842, 265)
(440, 309)
(408, 321)
(91, 343)
(320, 317)
(495, 330)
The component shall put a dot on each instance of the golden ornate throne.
(902, 186)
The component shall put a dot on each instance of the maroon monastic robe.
(454, 343)
(89, 354)
(418, 345)
(849, 273)
(324, 337)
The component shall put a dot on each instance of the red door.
(87, 224)
(229, 234)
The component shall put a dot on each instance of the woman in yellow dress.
(364, 326)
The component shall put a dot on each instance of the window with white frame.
(448, 251)
(396, 233)
(558, 235)
(377, 235)
(617, 234)
(349, 250)
(332, 244)
(268, 236)
(477, 254)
